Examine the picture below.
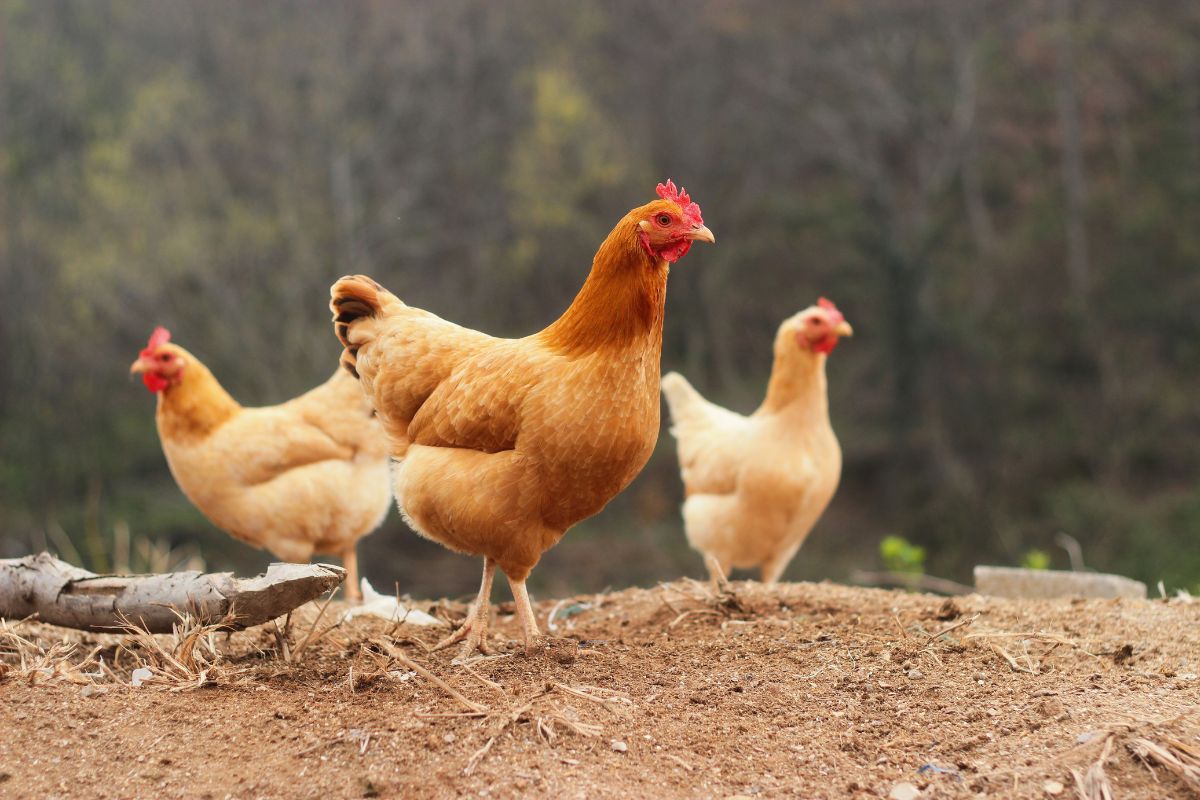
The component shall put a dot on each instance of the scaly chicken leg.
(350, 562)
(525, 618)
(474, 629)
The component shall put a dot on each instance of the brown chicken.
(757, 485)
(507, 443)
(310, 475)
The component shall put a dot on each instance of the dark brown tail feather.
(352, 298)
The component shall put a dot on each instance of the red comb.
(691, 211)
(160, 337)
(835, 316)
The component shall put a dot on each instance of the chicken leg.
(718, 572)
(474, 629)
(351, 586)
(525, 618)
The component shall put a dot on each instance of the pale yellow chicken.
(307, 476)
(755, 486)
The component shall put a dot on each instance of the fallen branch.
(910, 581)
(61, 594)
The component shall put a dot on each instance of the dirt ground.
(803, 690)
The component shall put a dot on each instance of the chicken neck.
(621, 303)
(194, 406)
(797, 385)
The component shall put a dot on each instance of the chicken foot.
(474, 628)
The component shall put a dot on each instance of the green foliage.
(900, 555)
(1036, 559)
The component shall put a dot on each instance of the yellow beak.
(843, 330)
(702, 234)
(138, 367)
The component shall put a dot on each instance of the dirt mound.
(805, 690)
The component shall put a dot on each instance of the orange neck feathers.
(195, 406)
(621, 302)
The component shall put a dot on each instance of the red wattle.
(155, 383)
(825, 345)
(675, 251)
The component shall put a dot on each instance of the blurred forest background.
(1003, 197)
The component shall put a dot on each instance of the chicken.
(507, 443)
(310, 475)
(755, 486)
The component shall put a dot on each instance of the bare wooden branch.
(61, 594)
(915, 582)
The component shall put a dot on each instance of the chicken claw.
(474, 628)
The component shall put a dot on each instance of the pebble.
(619, 746)
(1053, 788)
(904, 791)
(915, 674)
(92, 691)
(1051, 707)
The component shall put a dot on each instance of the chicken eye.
(664, 219)
(164, 357)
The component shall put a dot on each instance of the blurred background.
(1003, 197)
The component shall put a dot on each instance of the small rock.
(92, 691)
(904, 791)
(1124, 654)
(448, 738)
(949, 610)
(1052, 788)
(618, 745)
(915, 674)
(1051, 707)
(564, 651)
(980, 677)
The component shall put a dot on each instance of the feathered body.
(307, 476)
(503, 444)
(756, 485)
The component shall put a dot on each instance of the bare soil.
(802, 690)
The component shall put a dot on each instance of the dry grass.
(1173, 756)
(186, 658)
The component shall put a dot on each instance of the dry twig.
(408, 663)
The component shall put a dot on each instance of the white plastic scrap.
(387, 607)
(140, 676)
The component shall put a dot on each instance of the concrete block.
(1028, 583)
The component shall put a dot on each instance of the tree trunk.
(60, 594)
(1078, 261)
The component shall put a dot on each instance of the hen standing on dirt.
(310, 475)
(757, 485)
(507, 443)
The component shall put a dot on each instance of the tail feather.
(681, 397)
(352, 299)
